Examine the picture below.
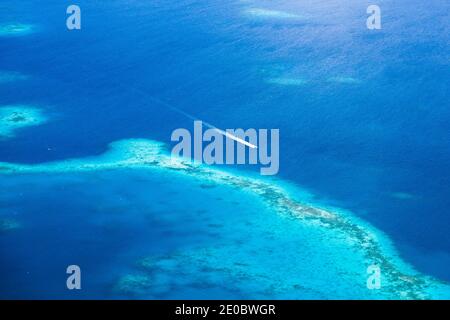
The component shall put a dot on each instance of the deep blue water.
(354, 145)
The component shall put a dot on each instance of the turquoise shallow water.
(138, 241)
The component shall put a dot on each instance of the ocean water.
(224, 246)
(364, 127)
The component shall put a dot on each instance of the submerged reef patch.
(133, 284)
(15, 29)
(15, 117)
(6, 76)
(293, 82)
(400, 281)
(142, 285)
(9, 225)
(402, 196)
(261, 13)
(344, 80)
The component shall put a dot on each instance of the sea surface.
(364, 123)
